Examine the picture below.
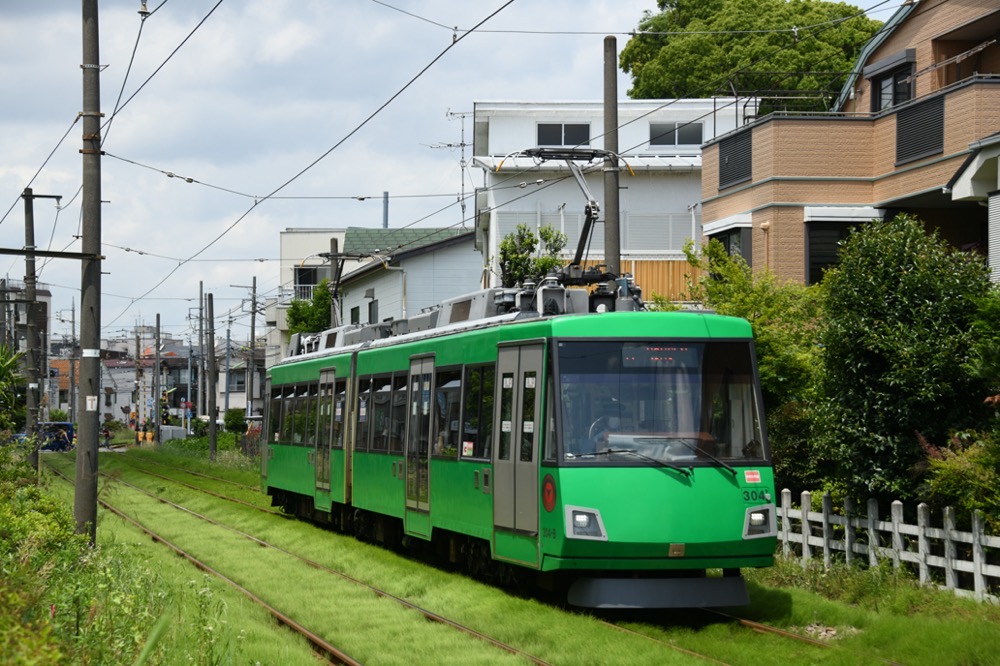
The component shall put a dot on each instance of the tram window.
(550, 420)
(669, 400)
(528, 416)
(379, 412)
(364, 399)
(305, 415)
(477, 413)
(325, 409)
(506, 414)
(397, 417)
(274, 417)
(288, 415)
(447, 412)
(339, 412)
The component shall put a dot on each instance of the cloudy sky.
(247, 98)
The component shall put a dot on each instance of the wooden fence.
(964, 562)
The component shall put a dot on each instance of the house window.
(306, 277)
(823, 241)
(889, 79)
(237, 381)
(737, 243)
(356, 314)
(892, 89)
(920, 130)
(675, 134)
(373, 312)
(736, 159)
(563, 134)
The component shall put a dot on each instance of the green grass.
(871, 613)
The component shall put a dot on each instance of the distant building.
(916, 129)
(659, 141)
(384, 274)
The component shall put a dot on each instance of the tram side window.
(528, 416)
(447, 412)
(288, 415)
(305, 415)
(477, 418)
(506, 414)
(364, 400)
(550, 419)
(397, 417)
(325, 413)
(274, 417)
(379, 412)
(339, 412)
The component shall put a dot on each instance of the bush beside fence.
(965, 562)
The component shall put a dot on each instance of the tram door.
(516, 438)
(418, 452)
(324, 432)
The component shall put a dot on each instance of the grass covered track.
(880, 616)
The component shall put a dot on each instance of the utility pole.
(612, 228)
(252, 363)
(85, 506)
(229, 354)
(72, 364)
(201, 408)
(210, 380)
(157, 417)
(138, 387)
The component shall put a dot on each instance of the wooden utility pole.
(85, 506)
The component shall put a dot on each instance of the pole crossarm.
(54, 254)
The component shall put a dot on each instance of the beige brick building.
(916, 129)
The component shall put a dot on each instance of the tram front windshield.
(678, 403)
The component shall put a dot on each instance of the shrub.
(897, 355)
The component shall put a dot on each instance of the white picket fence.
(942, 556)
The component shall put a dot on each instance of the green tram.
(620, 457)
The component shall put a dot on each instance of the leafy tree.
(898, 353)
(518, 258)
(235, 420)
(10, 380)
(705, 46)
(311, 316)
(786, 319)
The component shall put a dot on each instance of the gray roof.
(367, 242)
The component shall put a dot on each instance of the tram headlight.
(583, 523)
(759, 522)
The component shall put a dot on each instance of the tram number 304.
(756, 496)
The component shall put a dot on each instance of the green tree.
(786, 320)
(519, 260)
(235, 420)
(898, 353)
(313, 315)
(10, 380)
(699, 47)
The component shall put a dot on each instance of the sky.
(324, 105)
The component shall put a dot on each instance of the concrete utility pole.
(210, 381)
(252, 365)
(612, 228)
(157, 415)
(201, 407)
(85, 507)
(32, 342)
(229, 365)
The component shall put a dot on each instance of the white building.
(659, 185)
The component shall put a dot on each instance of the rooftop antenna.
(462, 115)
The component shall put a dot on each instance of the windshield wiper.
(696, 450)
(686, 471)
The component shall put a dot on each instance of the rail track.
(320, 644)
